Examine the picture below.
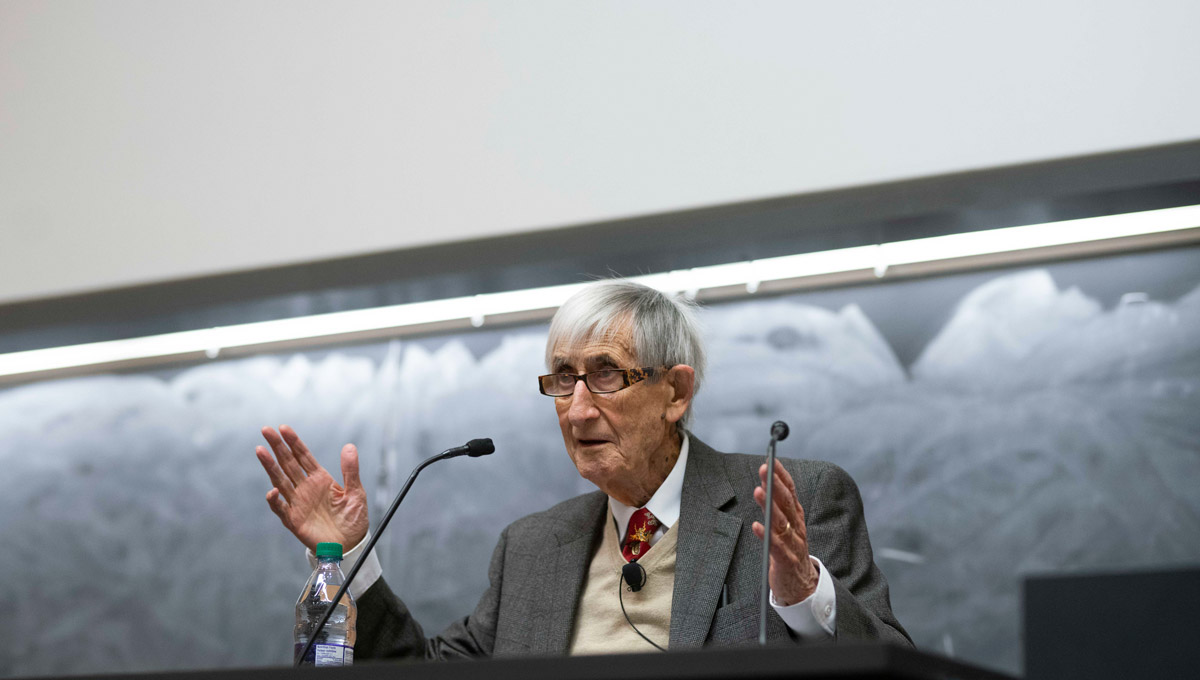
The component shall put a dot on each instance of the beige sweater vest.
(599, 626)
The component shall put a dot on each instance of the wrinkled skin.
(305, 497)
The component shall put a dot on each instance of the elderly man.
(624, 363)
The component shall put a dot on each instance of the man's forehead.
(615, 347)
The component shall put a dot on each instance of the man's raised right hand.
(306, 498)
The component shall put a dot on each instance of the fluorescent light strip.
(476, 308)
(211, 340)
(1044, 235)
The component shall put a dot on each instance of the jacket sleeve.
(386, 629)
(837, 535)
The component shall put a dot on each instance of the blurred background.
(169, 167)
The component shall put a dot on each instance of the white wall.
(144, 141)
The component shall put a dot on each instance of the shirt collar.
(664, 504)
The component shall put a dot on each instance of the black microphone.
(779, 432)
(473, 448)
(634, 575)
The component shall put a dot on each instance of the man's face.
(619, 441)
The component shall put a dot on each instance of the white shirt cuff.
(367, 575)
(815, 616)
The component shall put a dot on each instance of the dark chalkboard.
(998, 423)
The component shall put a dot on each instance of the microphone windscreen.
(480, 447)
(779, 430)
(634, 575)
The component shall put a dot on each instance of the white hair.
(666, 331)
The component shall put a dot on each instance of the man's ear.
(682, 380)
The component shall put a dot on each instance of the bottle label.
(327, 655)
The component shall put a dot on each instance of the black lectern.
(817, 662)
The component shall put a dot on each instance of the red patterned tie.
(637, 539)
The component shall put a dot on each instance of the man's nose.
(583, 404)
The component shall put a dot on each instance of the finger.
(784, 477)
(757, 528)
(785, 553)
(785, 493)
(787, 511)
(785, 500)
(781, 521)
(278, 478)
(793, 499)
(787, 526)
(782, 551)
(278, 506)
(299, 449)
(781, 476)
(284, 454)
(350, 477)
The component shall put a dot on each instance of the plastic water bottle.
(335, 644)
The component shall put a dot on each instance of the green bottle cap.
(329, 550)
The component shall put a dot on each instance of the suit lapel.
(706, 542)
(561, 575)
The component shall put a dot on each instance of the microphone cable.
(626, 571)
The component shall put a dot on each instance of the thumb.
(350, 468)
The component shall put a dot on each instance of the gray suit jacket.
(539, 565)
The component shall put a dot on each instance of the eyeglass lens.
(563, 384)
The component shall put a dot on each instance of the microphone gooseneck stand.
(473, 448)
(779, 432)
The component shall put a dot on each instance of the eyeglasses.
(597, 382)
